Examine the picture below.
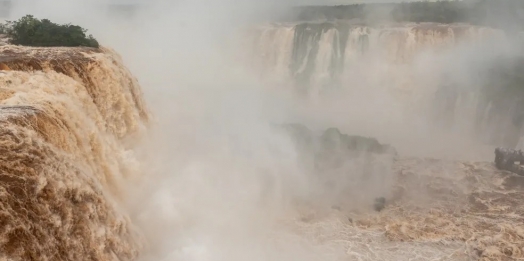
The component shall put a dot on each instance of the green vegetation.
(506, 14)
(3, 29)
(30, 31)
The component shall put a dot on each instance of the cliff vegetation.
(30, 31)
(507, 14)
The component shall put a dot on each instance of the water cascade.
(67, 117)
(438, 70)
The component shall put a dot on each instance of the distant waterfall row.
(443, 67)
(318, 52)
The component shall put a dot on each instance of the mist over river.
(233, 130)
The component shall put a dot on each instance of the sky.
(314, 2)
(307, 2)
(341, 2)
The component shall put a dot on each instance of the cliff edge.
(68, 118)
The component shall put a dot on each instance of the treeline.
(506, 14)
(30, 31)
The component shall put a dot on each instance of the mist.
(219, 181)
(212, 150)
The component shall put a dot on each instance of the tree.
(3, 28)
(31, 31)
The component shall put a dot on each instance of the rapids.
(67, 117)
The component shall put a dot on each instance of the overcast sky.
(338, 2)
(302, 2)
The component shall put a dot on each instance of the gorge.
(207, 142)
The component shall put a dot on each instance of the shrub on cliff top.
(31, 31)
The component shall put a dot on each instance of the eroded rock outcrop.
(347, 170)
(333, 139)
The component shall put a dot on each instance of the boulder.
(505, 159)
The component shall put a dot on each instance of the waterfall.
(68, 118)
(412, 62)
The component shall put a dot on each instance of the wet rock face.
(505, 159)
(333, 139)
(346, 170)
(380, 203)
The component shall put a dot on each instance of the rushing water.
(64, 154)
(221, 183)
